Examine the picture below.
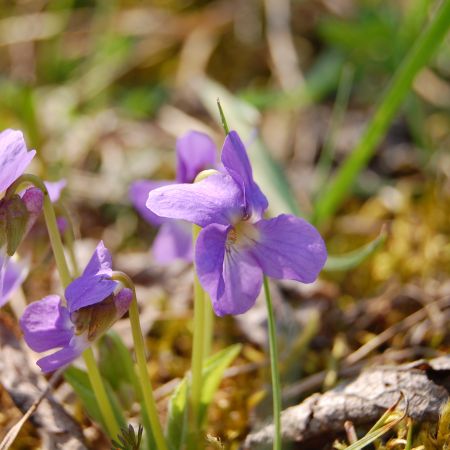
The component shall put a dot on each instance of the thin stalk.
(141, 360)
(275, 373)
(100, 393)
(198, 345)
(209, 326)
(222, 118)
(334, 193)
(69, 239)
(64, 275)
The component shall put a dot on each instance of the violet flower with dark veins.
(237, 245)
(195, 152)
(94, 303)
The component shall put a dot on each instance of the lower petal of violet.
(46, 324)
(173, 241)
(63, 357)
(289, 248)
(230, 275)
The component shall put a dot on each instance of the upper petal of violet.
(46, 324)
(95, 284)
(217, 199)
(237, 164)
(195, 152)
(14, 157)
(100, 262)
(138, 195)
(288, 247)
(229, 274)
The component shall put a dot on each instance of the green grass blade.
(333, 195)
(354, 258)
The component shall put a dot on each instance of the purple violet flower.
(237, 245)
(55, 188)
(94, 303)
(195, 152)
(14, 157)
(11, 277)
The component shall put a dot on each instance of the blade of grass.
(334, 193)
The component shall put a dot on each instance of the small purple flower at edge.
(94, 303)
(236, 245)
(14, 157)
(11, 277)
(195, 152)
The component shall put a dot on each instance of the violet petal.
(196, 151)
(94, 285)
(138, 195)
(100, 262)
(63, 357)
(55, 188)
(46, 324)
(231, 277)
(289, 248)
(237, 164)
(14, 157)
(173, 241)
(11, 277)
(217, 199)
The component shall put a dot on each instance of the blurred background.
(102, 89)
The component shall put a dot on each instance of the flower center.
(242, 235)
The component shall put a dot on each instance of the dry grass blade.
(10, 437)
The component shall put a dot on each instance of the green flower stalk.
(141, 360)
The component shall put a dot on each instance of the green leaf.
(177, 423)
(354, 258)
(117, 366)
(177, 416)
(213, 371)
(79, 380)
(115, 361)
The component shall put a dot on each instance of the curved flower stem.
(198, 345)
(276, 391)
(58, 251)
(144, 377)
(69, 238)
